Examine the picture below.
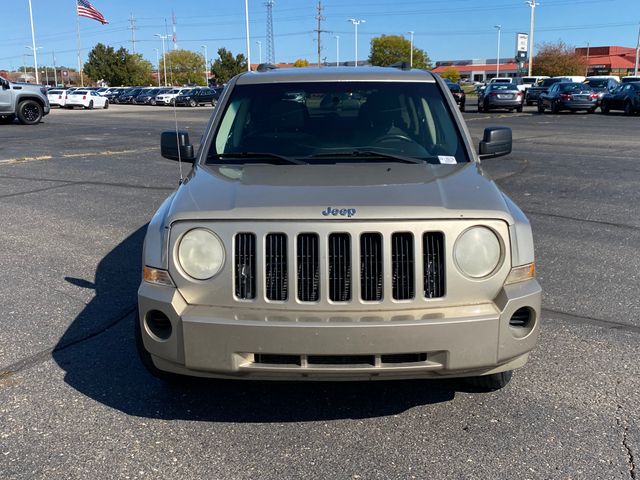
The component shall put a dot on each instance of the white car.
(528, 82)
(87, 99)
(169, 97)
(57, 97)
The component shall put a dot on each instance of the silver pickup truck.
(336, 225)
(27, 102)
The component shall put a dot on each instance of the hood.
(338, 192)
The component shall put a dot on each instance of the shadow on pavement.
(99, 358)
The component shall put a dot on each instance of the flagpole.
(33, 42)
(78, 43)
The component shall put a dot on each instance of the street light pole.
(337, 50)
(499, 27)
(533, 5)
(206, 65)
(259, 51)
(411, 32)
(356, 22)
(586, 70)
(158, 64)
(55, 71)
(635, 71)
(246, 23)
(34, 50)
(164, 58)
(33, 43)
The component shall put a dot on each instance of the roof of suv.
(329, 74)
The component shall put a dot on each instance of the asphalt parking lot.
(77, 192)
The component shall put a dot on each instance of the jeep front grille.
(339, 267)
(323, 266)
(275, 267)
(308, 267)
(371, 267)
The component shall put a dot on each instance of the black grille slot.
(520, 318)
(308, 267)
(339, 267)
(245, 266)
(402, 266)
(276, 359)
(404, 358)
(275, 266)
(433, 257)
(341, 360)
(371, 267)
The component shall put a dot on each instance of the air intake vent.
(308, 267)
(276, 282)
(339, 267)
(433, 257)
(245, 266)
(402, 266)
(371, 267)
(521, 318)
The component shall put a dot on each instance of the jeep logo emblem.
(342, 212)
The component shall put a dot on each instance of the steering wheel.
(393, 136)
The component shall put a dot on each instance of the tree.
(226, 66)
(301, 62)
(117, 67)
(451, 73)
(184, 67)
(389, 49)
(556, 59)
(102, 64)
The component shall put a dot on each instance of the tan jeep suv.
(336, 225)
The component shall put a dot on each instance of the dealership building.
(609, 60)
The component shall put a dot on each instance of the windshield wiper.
(370, 153)
(266, 156)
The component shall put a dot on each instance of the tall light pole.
(33, 44)
(635, 71)
(158, 63)
(246, 24)
(206, 66)
(411, 32)
(35, 63)
(356, 22)
(499, 27)
(337, 37)
(259, 51)
(164, 59)
(586, 70)
(55, 71)
(533, 5)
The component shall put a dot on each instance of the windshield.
(330, 122)
(574, 88)
(598, 83)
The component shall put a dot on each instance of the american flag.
(85, 9)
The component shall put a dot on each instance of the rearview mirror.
(496, 142)
(171, 143)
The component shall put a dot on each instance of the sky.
(445, 29)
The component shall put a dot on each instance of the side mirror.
(4, 83)
(496, 142)
(171, 143)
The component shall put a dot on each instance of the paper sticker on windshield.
(447, 159)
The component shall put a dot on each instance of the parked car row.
(101, 97)
(560, 93)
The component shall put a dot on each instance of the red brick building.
(610, 60)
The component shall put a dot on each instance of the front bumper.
(231, 342)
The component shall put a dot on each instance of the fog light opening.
(158, 324)
(522, 322)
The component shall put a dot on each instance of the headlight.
(477, 252)
(201, 253)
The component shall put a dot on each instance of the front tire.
(90, 106)
(106, 104)
(628, 108)
(193, 103)
(489, 383)
(604, 108)
(540, 107)
(29, 112)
